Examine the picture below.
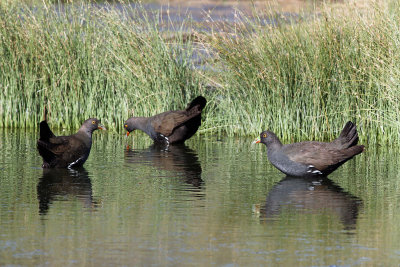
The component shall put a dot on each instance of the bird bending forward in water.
(170, 127)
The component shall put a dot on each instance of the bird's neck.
(140, 123)
(85, 131)
(274, 144)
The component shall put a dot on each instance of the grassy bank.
(308, 78)
(302, 80)
(83, 63)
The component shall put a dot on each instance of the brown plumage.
(312, 157)
(170, 127)
(66, 151)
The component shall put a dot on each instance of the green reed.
(83, 62)
(302, 78)
(305, 79)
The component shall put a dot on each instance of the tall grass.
(302, 80)
(83, 62)
(306, 79)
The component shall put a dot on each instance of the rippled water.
(215, 201)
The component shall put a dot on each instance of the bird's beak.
(101, 127)
(128, 132)
(256, 141)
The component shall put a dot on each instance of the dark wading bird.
(170, 127)
(312, 157)
(66, 151)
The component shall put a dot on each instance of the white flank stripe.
(73, 163)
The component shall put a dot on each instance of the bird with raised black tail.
(170, 127)
(312, 157)
(66, 151)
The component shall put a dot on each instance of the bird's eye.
(264, 135)
(93, 122)
(126, 125)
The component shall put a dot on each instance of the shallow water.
(215, 201)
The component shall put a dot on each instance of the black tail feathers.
(45, 132)
(349, 135)
(200, 100)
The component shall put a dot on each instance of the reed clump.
(89, 61)
(302, 77)
(306, 79)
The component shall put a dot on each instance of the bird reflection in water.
(59, 183)
(312, 195)
(179, 160)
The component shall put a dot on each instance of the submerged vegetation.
(302, 80)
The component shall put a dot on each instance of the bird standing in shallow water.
(312, 157)
(66, 151)
(170, 127)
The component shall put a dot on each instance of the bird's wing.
(52, 148)
(166, 122)
(318, 154)
(55, 145)
(67, 148)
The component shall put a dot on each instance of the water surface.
(214, 201)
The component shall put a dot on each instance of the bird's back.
(62, 151)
